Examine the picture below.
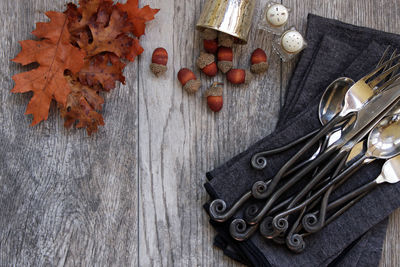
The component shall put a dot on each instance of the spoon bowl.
(384, 140)
(332, 100)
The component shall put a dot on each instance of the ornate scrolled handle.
(280, 224)
(311, 223)
(295, 243)
(267, 230)
(240, 231)
(219, 211)
(259, 189)
(259, 161)
(250, 212)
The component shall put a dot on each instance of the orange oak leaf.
(54, 54)
(138, 16)
(102, 70)
(80, 17)
(110, 37)
(82, 106)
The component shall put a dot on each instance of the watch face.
(292, 41)
(277, 15)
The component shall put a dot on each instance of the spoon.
(331, 103)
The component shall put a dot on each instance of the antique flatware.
(218, 208)
(379, 107)
(330, 105)
(355, 99)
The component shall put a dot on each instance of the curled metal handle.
(267, 230)
(239, 230)
(259, 160)
(295, 243)
(220, 213)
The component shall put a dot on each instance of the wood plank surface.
(132, 194)
(66, 198)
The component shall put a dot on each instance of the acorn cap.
(209, 34)
(248, 78)
(192, 86)
(205, 59)
(225, 39)
(259, 68)
(158, 69)
(214, 90)
(225, 66)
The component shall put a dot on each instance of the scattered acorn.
(188, 80)
(211, 46)
(209, 34)
(159, 61)
(214, 97)
(259, 62)
(225, 59)
(239, 76)
(206, 62)
(225, 39)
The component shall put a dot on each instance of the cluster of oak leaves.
(81, 52)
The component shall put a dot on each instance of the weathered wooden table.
(132, 194)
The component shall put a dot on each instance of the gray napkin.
(323, 61)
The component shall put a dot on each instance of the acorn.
(159, 61)
(209, 34)
(189, 81)
(225, 59)
(214, 97)
(206, 62)
(259, 62)
(239, 76)
(211, 46)
(225, 39)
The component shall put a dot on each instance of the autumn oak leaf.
(82, 107)
(102, 71)
(138, 16)
(80, 17)
(110, 37)
(54, 54)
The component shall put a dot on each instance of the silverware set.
(360, 124)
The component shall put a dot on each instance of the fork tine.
(384, 56)
(393, 80)
(383, 75)
(374, 72)
(393, 55)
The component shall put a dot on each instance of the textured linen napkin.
(334, 49)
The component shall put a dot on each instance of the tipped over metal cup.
(233, 17)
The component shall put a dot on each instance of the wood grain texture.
(66, 198)
(132, 194)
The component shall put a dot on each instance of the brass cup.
(233, 17)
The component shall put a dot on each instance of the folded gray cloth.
(334, 49)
